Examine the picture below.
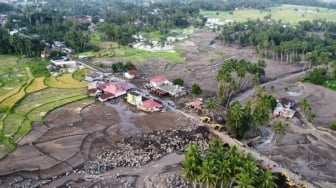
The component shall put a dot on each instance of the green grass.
(156, 35)
(29, 104)
(38, 68)
(38, 113)
(6, 146)
(292, 14)
(6, 60)
(12, 123)
(142, 55)
(79, 75)
(12, 76)
(23, 130)
(330, 84)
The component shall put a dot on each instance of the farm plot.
(12, 123)
(9, 102)
(65, 81)
(38, 113)
(46, 96)
(36, 85)
(21, 104)
(11, 77)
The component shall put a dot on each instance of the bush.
(196, 89)
(333, 126)
(178, 81)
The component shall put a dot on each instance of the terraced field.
(25, 99)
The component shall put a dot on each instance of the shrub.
(333, 126)
(196, 89)
(38, 68)
(178, 81)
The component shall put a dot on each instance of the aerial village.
(151, 96)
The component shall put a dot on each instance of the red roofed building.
(198, 104)
(151, 105)
(132, 74)
(114, 89)
(158, 80)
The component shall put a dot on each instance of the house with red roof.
(113, 89)
(157, 80)
(131, 74)
(161, 86)
(198, 104)
(151, 105)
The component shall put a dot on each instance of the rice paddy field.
(25, 99)
(292, 14)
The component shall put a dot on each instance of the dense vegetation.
(230, 5)
(220, 166)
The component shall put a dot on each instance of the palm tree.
(279, 128)
(191, 163)
(266, 179)
(235, 114)
(216, 150)
(224, 173)
(244, 180)
(208, 176)
(210, 104)
(250, 167)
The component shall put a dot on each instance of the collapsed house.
(162, 86)
(197, 104)
(284, 108)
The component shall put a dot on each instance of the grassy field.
(286, 13)
(27, 96)
(136, 55)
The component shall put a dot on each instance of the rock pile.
(167, 180)
(138, 150)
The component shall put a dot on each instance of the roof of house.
(133, 72)
(159, 91)
(105, 96)
(150, 103)
(92, 91)
(287, 101)
(197, 104)
(117, 87)
(159, 79)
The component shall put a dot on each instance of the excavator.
(217, 126)
(205, 119)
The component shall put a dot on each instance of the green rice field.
(24, 99)
(292, 14)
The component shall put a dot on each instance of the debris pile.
(162, 180)
(138, 150)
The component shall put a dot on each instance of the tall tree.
(279, 128)
(266, 179)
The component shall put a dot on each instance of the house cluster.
(105, 91)
(162, 86)
(61, 47)
(61, 62)
(285, 108)
(105, 86)
(3, 19)
(87, 20)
